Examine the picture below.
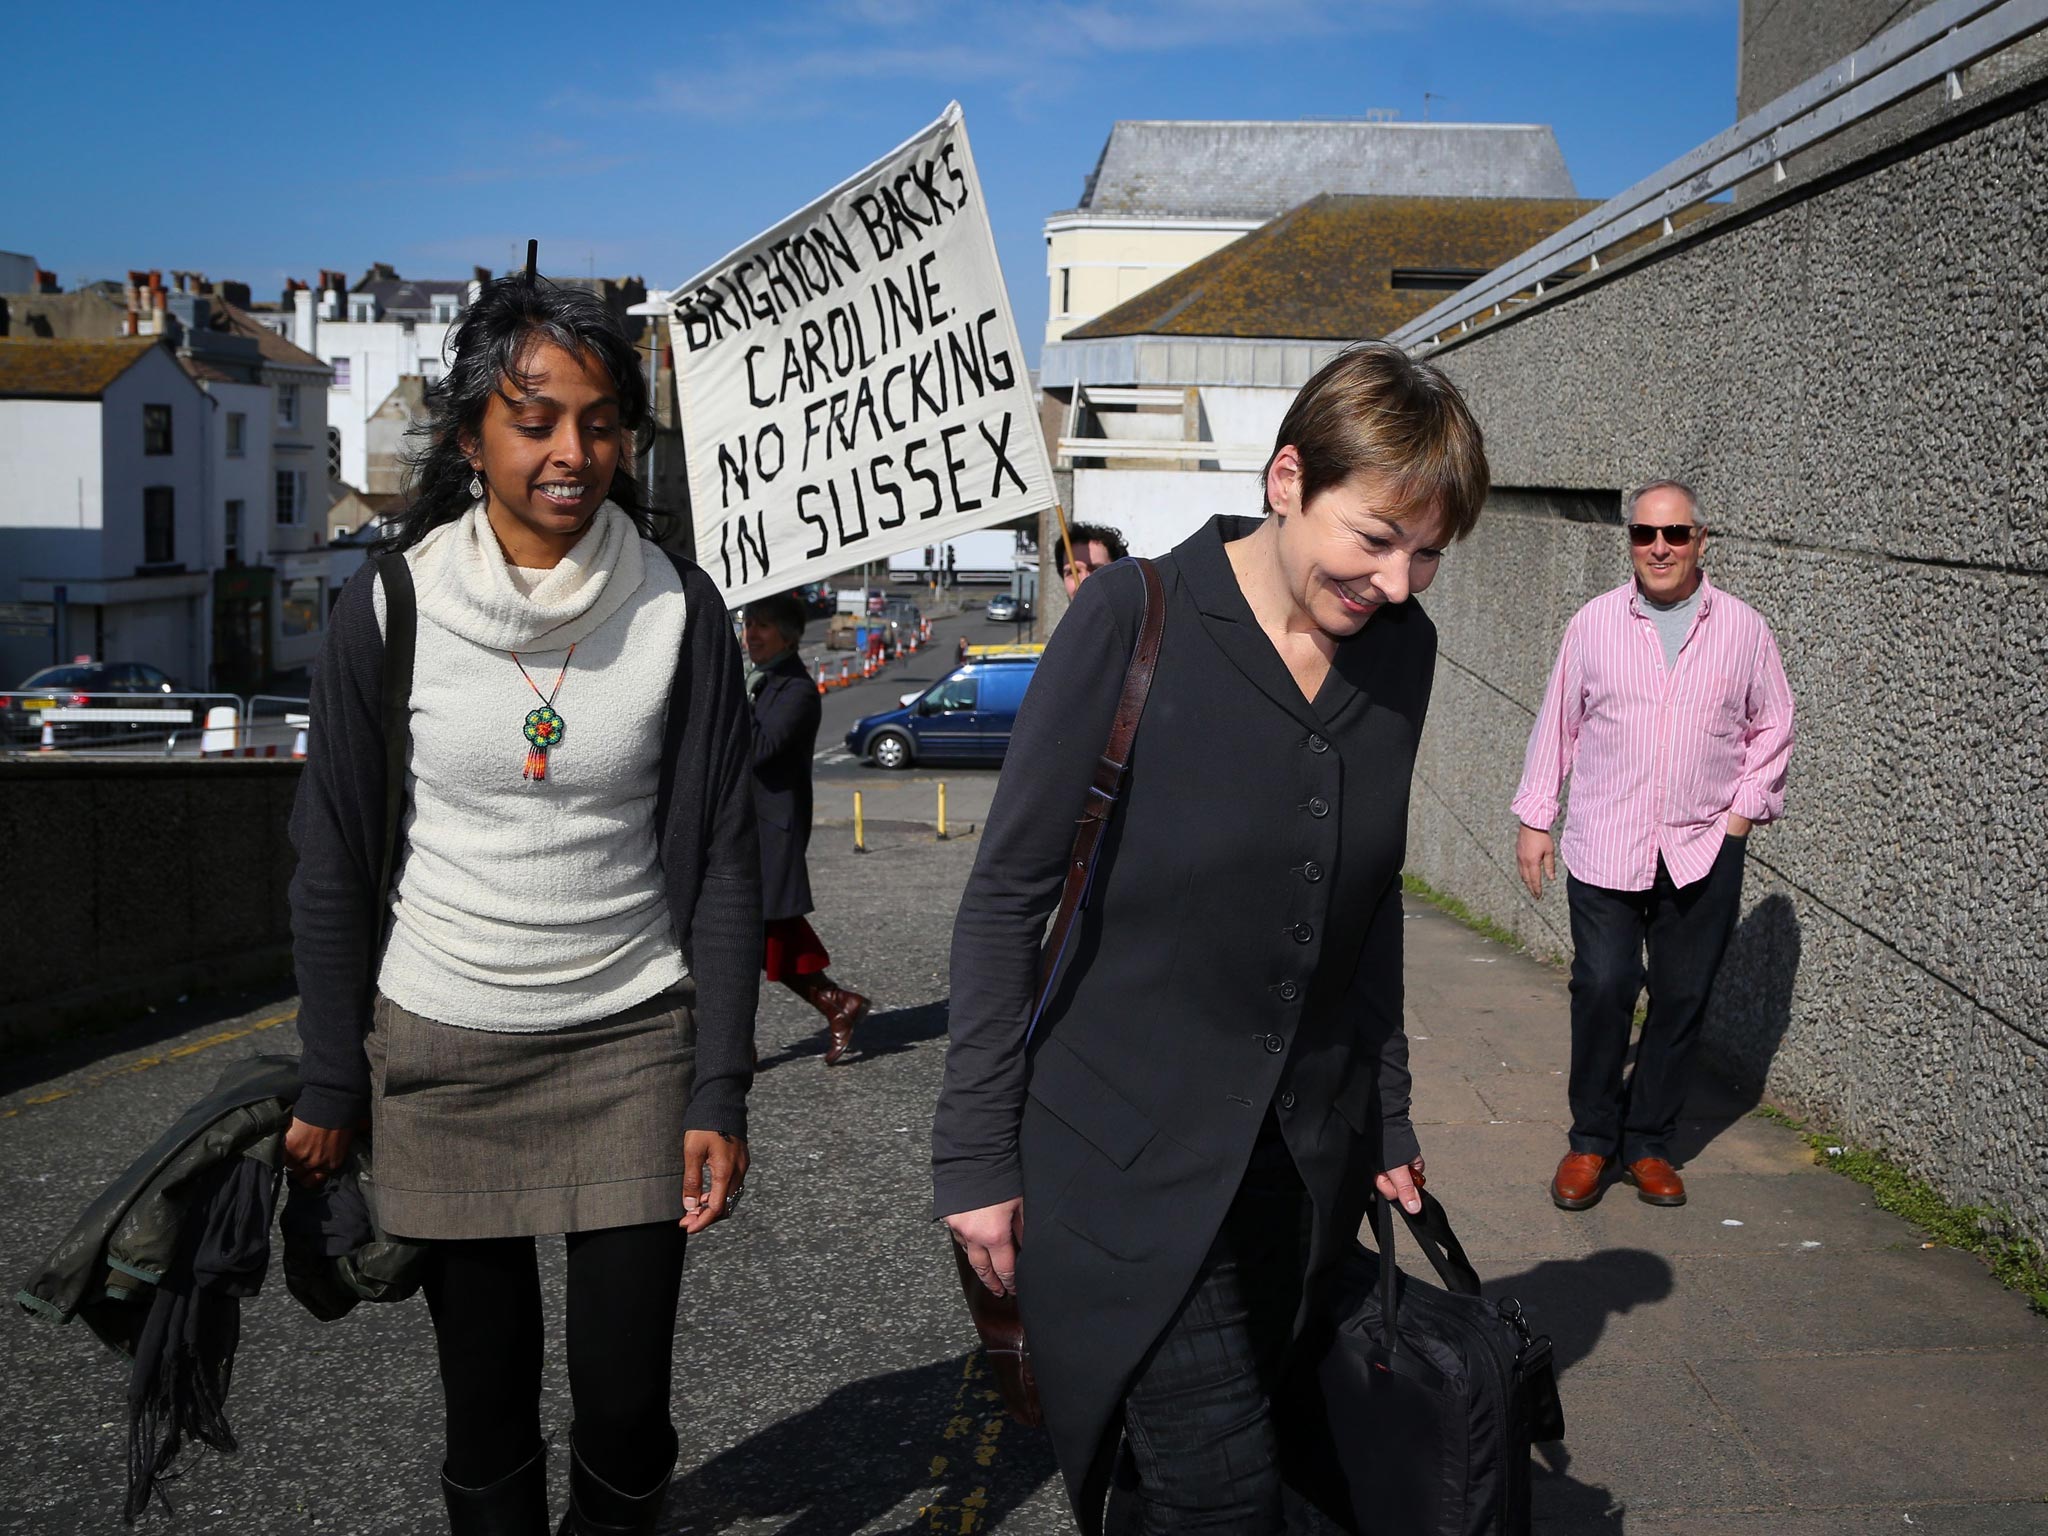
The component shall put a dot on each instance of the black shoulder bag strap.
(401, 634)
(996, 1318)
(1110, 770)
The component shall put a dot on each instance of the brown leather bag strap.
(1108, 783)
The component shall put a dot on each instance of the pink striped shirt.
(1658, 757)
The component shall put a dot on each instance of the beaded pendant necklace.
(544, 727)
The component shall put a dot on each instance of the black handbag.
(1433, 1397)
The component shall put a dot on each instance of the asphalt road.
(824, 1380)
(843, 706)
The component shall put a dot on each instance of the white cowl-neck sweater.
(534, 905)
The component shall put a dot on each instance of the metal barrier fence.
(1933, 45)
(154, 724)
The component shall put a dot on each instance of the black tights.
(485, 1298)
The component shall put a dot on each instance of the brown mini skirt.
(487, 1134)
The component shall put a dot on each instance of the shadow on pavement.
(889, 1033)
(1573, 1301)
(28, 1065)
(851, 1459)
(1746, 1022)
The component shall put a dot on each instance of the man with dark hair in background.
(1093, 547)
(786, 716)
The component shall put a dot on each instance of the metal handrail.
(1933, 44)
(169, 713)
(175, 715)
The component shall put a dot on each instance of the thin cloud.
(1041, 47)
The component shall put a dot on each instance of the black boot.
(596, 1508)
(515, 1505)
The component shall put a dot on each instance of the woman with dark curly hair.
(546, 1018)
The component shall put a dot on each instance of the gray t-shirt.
(1672, 621)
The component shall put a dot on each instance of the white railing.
(167, 724)
(1071, 448)
(1932, 45)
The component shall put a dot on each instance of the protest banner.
(851, 382)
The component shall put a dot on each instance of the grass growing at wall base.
(2016, 1262)
(1450, 906)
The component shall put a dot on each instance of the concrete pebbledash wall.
(133, 881)
(1854, 374)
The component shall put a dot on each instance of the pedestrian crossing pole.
(942, 810)
(860, 826)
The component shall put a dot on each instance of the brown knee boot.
(842, 1010)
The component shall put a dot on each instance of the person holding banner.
(786, 715)
(1219, 1078)
(545, 1016)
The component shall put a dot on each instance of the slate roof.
(1324, 271)
(275, 348)
(1245, 170)
(66, 370)
(403, 296)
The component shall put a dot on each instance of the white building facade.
(104, 520)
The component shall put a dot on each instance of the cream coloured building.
(1165, 194)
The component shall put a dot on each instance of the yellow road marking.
(975, 1397)
(144, 1063)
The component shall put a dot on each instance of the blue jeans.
(1200, 1451)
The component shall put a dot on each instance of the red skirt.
(792, 948)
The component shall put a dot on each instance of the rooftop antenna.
(1427, 98)
(532, 260)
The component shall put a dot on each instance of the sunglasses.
(1677, 535)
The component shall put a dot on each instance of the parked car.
(72, 685)
(903, 619)
(819, 598)
(965, 717)
(1002, 608)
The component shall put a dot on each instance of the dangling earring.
(476, 488)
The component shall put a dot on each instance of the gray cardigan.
(704, 820)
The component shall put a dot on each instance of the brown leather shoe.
(842, 1010)
(1579, 1181)
(1656, 1181)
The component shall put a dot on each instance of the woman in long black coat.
(786, 715)
(1221, 1074)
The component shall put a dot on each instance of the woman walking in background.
(547, 1019)
(786, 715)
(1220, 1075)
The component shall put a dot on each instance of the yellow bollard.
(860, 827)
(942, 810)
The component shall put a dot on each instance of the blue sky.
(629, 138)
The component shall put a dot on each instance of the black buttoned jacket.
(786, 715)
(1240, 954)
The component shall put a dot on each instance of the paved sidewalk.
(1777, 1355)
(1811, 1372)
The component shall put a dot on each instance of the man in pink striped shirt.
(1669, 711)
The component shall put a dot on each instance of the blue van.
(965, 717)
